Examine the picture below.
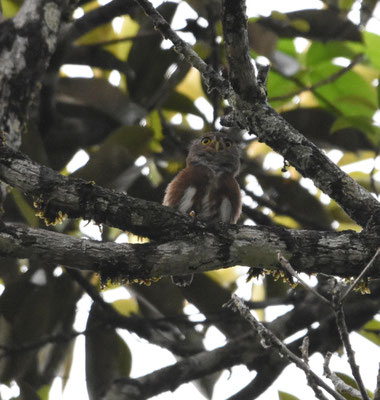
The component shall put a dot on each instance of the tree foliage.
(143, 101)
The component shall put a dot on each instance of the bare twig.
(361, 275)
(338, 383)
(376, 395)
(269, 339)
(287, 267)
(323, 82)
(9, 351)
(344, 335)
(304, 348)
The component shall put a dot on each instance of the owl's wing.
(231, 201)
(183, 190)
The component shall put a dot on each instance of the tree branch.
(253, 113)
(171, 377)
(56, 194)
(241, 73)
(26, 44)
(257, 116)
(342, 254)
(269, 339)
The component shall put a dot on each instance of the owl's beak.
(216, 144)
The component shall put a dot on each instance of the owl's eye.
(205, 141)
(228, 143)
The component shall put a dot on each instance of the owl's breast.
(213, 198)
(212, 201)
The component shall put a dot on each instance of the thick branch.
(262, 119)
(78, 198)
(169, 378)
(247, 350)
(342, 254)
(241, 74)
(26, 45)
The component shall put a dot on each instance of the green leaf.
(116, 154)
(351, 382)
(286, 396)
(146, 84)
(346, 4)
(181, 103)
(107, 355)
(155, 124)
(319, 52)
(372, 42)
(279, 86)
(371, 331)
(126, 307)
(351, 94)
(362, 123)
(43, 392)
(300, 24)
(287, 46)
(11, 7)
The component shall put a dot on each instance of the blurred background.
(119, 106)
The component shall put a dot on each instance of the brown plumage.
(207, 186)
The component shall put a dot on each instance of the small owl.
(207, 187)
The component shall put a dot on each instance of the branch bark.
(55, 193)
(342, 254)
(27, 43)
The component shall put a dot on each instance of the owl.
(207, 188)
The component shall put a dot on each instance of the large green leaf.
(181, 103)
(143, 80)
(319, 52)
(117, 153)
(350, 93)
(371, 331)
(107, 355)
(362, 123)
(11, 7)
(351, 382)
(286, 396)
(372, 42)
(279, 86)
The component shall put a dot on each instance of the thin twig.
(269, 339)
(323, 82)
(338, 383)
(304, 348)
(285, 264)
(376, 395)
(8, 351)
(344, 335)
(361, 275)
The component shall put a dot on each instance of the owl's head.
(217, 151)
